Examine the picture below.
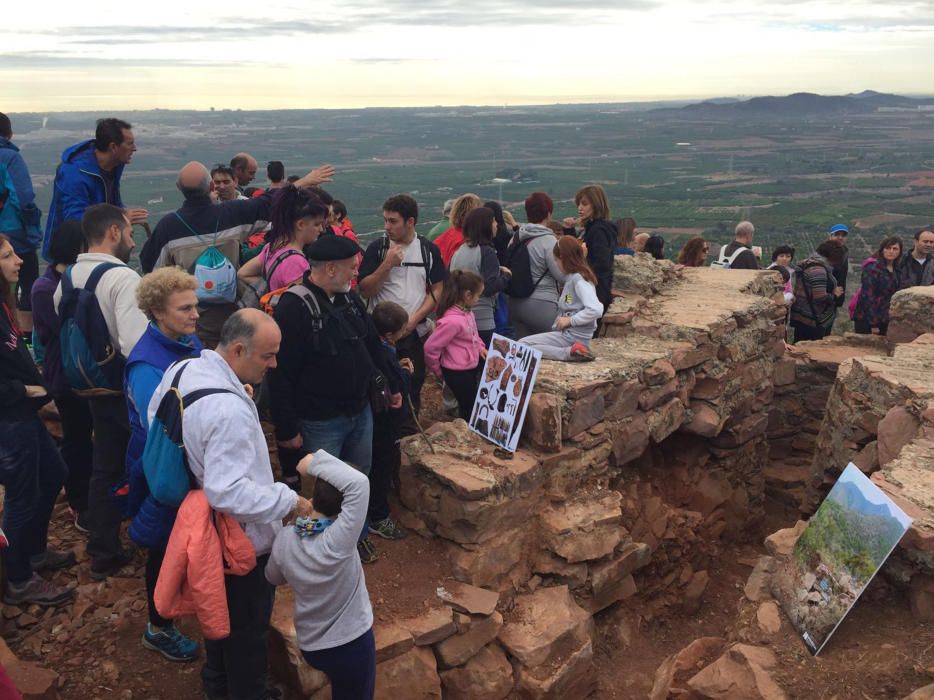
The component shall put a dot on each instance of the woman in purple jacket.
(67, 242)
(879, 282)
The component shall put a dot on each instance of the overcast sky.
(182, 54)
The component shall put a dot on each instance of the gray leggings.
(554, 345)
(529, 316)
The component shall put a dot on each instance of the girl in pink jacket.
(454, 349)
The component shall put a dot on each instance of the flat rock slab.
(391, 641)
(460, 648)
(430, 627)
(544, 622)
(487, 675)
(469, 599)
(413, 676)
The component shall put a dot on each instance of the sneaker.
(53, 560)
(171, 643)
(387, 529)
(111, 568)
(581, 353)
(36, 590)
(367, 551)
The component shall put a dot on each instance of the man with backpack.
(407, 269)
(331, 364)
(204, 237)
(227, 455)
(816, 292)
(100, 324)
(739, 255)
(19, 219)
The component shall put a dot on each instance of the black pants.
(413, 347)
(487, 337)
(805, 332)
(351, 667)
(76, 448)
(111, 435)
(153, 564)
(864, 328)
(387, 458)
(463, 384)
(236, 667)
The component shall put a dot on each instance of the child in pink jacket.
(454, 349)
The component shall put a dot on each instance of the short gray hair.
(238, 329)
(744, 228)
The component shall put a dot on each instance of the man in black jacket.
(916, 268)
(329, 361)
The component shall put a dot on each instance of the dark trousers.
(111, 435)
(413, 347)
(77, 448)
(486, 337)
(805, 332)
(153, 564)
(236, 667)
(864, 328)
(351, 667)
(463, 384)
(32, 473)
(387, 458)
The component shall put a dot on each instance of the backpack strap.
(427, 260)
(267, 275)
(217, 225)
(96, 275)
(307, 296)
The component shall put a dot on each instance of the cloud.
(49, 59)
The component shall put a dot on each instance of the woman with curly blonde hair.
(167, 297)
(452, 239)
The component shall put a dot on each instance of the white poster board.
(844, 545)
(504, 392)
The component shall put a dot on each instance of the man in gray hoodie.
(536, 313)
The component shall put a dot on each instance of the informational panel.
(846, 542)
(504, 391)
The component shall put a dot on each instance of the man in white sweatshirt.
(228, 457)
(110, 240)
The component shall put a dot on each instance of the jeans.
(77, 448)
(235, 667)
(32, 473)
(111, 435)
(349, 438)
(351, 667)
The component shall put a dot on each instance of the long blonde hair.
(463, 205)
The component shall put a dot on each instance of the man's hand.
(294, 443)
(509, 219)
(410, 327)
(394, 256)
(505, 271)
(137, 216)
(35, 391)
(302, 508)
(838, 291)
(406, 364)
(395, 400)
(569, 222)
(563, 322)
(303, 464)
(321, 174)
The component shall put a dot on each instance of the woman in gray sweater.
(479, 255)
(579, 309)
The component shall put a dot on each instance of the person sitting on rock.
(317, 557)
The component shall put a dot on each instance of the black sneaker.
(111, 567)
(387, 529)
(367, 551)
(36, 590)
(53, 560)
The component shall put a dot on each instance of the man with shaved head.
(244, 169)
(227, 455)
(182, 236)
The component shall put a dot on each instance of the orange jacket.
(204, 545)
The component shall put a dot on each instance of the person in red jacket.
(452, 239)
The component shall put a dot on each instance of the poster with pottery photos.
(504, 391)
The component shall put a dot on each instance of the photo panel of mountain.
(504, 392)
(845, 543)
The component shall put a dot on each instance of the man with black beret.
(328, 363)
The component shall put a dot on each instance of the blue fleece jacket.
(79, 183)
(19, 215)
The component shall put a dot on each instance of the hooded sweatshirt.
(542, 259)
(455, 343)
(579, 301)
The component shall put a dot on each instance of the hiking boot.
(581, 353)
(53, 560)
(110, 567)
(36, 590)
(171, 643)
(367, 551)
(387, 529)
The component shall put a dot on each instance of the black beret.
(332, 248)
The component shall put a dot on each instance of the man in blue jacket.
(90, 174)
(19, 218)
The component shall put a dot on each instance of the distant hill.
(848, 495)
(799, 104)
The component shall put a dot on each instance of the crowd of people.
(259, 306)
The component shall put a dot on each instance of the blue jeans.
(349, 438)
(351, 667)
(32, 473)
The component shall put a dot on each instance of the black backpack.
(521, 285)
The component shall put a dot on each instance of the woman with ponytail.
(297, 217)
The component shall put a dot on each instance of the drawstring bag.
(216, 275)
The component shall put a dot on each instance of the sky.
(174, 54)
